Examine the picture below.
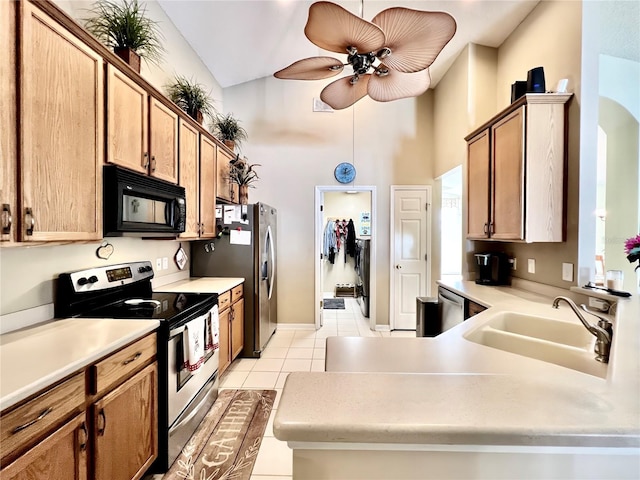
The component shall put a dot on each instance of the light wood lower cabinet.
(231, 305)
(62, 455)
(125, 438)
(50, 436)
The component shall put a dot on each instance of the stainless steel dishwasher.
(450, 309)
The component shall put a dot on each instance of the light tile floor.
(293, 351)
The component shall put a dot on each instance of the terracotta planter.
(129, 56)
(231, 144)
(243, 193)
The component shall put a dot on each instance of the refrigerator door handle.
(271, 259)
(263, 270)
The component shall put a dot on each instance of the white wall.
(343, 206)
(299, 149)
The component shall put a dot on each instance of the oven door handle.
(193, 413)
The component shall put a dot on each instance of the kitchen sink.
(559, 342)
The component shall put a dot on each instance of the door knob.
(398, 267)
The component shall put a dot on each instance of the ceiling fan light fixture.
(341, 93)
(406, 40)
(333, 28)
(314, 68)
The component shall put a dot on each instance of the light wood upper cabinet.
(507, 219)
(515, 172)
(163, 130)
(61, 455)
(189, 178)
(226, 189)
(62, 132)
(142, 131)
(9, 130)
(208, 153)
(478, 160)
(126, 428)
(127, 122)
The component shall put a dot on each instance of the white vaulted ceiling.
(242, 40)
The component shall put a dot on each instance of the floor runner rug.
(225, 445)
(333, 304)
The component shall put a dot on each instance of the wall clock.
(345, 172)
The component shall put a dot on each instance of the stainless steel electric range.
(125, 291)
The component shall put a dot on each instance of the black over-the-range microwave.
(140, 206)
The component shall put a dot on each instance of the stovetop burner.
(167, 307)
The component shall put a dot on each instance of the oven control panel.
(100, 278)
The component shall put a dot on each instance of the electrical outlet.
(165, 263)
(158, 264)
(567, 272)
(531, 265)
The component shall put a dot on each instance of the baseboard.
(383, 328)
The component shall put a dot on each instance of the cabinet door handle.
(7, 219)
(486, 229)
(132, 359)
(43, 414)
(145, 159)
(102, 425)
(29, 220)
(153, 163)
(85, 436)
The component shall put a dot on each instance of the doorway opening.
(342, 270)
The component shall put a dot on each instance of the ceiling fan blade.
(314, 68)
(341, 94)
(398, 85)
(335, 29)
(415, 37)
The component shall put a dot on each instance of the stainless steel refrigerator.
(363, 252)
(245, 247)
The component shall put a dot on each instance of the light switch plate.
(531, 265)
(165, 263)
(567, 272)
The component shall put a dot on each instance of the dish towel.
(212, 330)
(193, 342)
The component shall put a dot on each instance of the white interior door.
(409, 253)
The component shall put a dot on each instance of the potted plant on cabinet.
(123, 27)
(243, 174)
(190, 97)
(227, 129)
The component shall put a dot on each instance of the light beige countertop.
(449, 390)
(202, 285)
(35, 357)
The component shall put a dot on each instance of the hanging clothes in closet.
(351, 241)
(329, 242)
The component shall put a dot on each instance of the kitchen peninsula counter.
(34, 358)
(421, 401)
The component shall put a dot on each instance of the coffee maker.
(492, 268)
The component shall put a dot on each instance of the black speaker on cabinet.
(518, 89)
(535, 80)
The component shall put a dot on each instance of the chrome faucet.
(603, 331)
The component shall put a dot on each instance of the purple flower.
(632, 249)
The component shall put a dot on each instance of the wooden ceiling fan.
(390, 55)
